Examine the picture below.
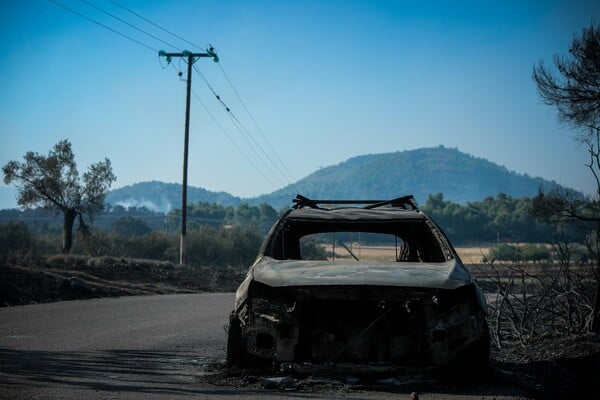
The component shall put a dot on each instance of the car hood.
(446, 275)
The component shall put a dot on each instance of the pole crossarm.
(210, 52)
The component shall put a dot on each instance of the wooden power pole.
(191, 59)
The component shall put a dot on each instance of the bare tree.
(576, 94)
(53, 182)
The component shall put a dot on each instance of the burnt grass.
(559, 367)
(553, 367)
(56, 278)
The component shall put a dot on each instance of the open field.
(472, 255)
(469, 255)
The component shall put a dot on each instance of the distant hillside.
(459, 176)
(160, 196)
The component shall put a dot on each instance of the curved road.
(147, 347)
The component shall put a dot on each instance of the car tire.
(236, 352)
(473, 363)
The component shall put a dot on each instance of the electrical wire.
(287, 174)
(253, 148)
(154, 24)
(103, 26)
(129, 24)
(231, 139)
(246, 134)
(255, 123)
(243, 130)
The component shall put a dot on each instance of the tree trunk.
(70, 215)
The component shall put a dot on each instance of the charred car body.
(339, 283)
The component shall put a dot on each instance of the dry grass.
(469, 255)
(472, 255)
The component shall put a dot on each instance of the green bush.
(97, 243)
(15, 239)
(130, 226)
(311, 250)
(153, 245)
(505, 252)
(535, 253)
(246, 242)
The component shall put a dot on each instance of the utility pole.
(191, 59)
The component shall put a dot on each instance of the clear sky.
(324, 80)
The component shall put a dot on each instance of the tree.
(53, 182)
(129, 226)
(576, 94)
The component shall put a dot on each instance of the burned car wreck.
(358, 282)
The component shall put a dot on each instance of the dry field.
(472, 255)
(469, 255)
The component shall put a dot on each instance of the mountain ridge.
(461, 177)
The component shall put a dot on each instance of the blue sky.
(324, 80)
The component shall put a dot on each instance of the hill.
(459, 176)
(160, 196)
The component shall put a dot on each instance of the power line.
(287, 175)
(254, 122)
(253, 148)
(103, 26)
(243, 129)
(129, 24)
(154, 24)
(231, 139)
(248, 134)
(224, 131)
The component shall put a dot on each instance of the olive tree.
(54, 183)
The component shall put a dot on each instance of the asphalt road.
(152, 347)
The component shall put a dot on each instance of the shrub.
(15, 239)
(535, 253)
(505, 252)
(153, 245)
(129, 226)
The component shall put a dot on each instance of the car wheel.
(473, 363)
(236, 352)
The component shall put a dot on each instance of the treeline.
(231, 246)
(217, 236)
(492, 220)
(137, 221)
(231, 236)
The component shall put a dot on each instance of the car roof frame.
(404, 202)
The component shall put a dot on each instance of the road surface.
(146, 347)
